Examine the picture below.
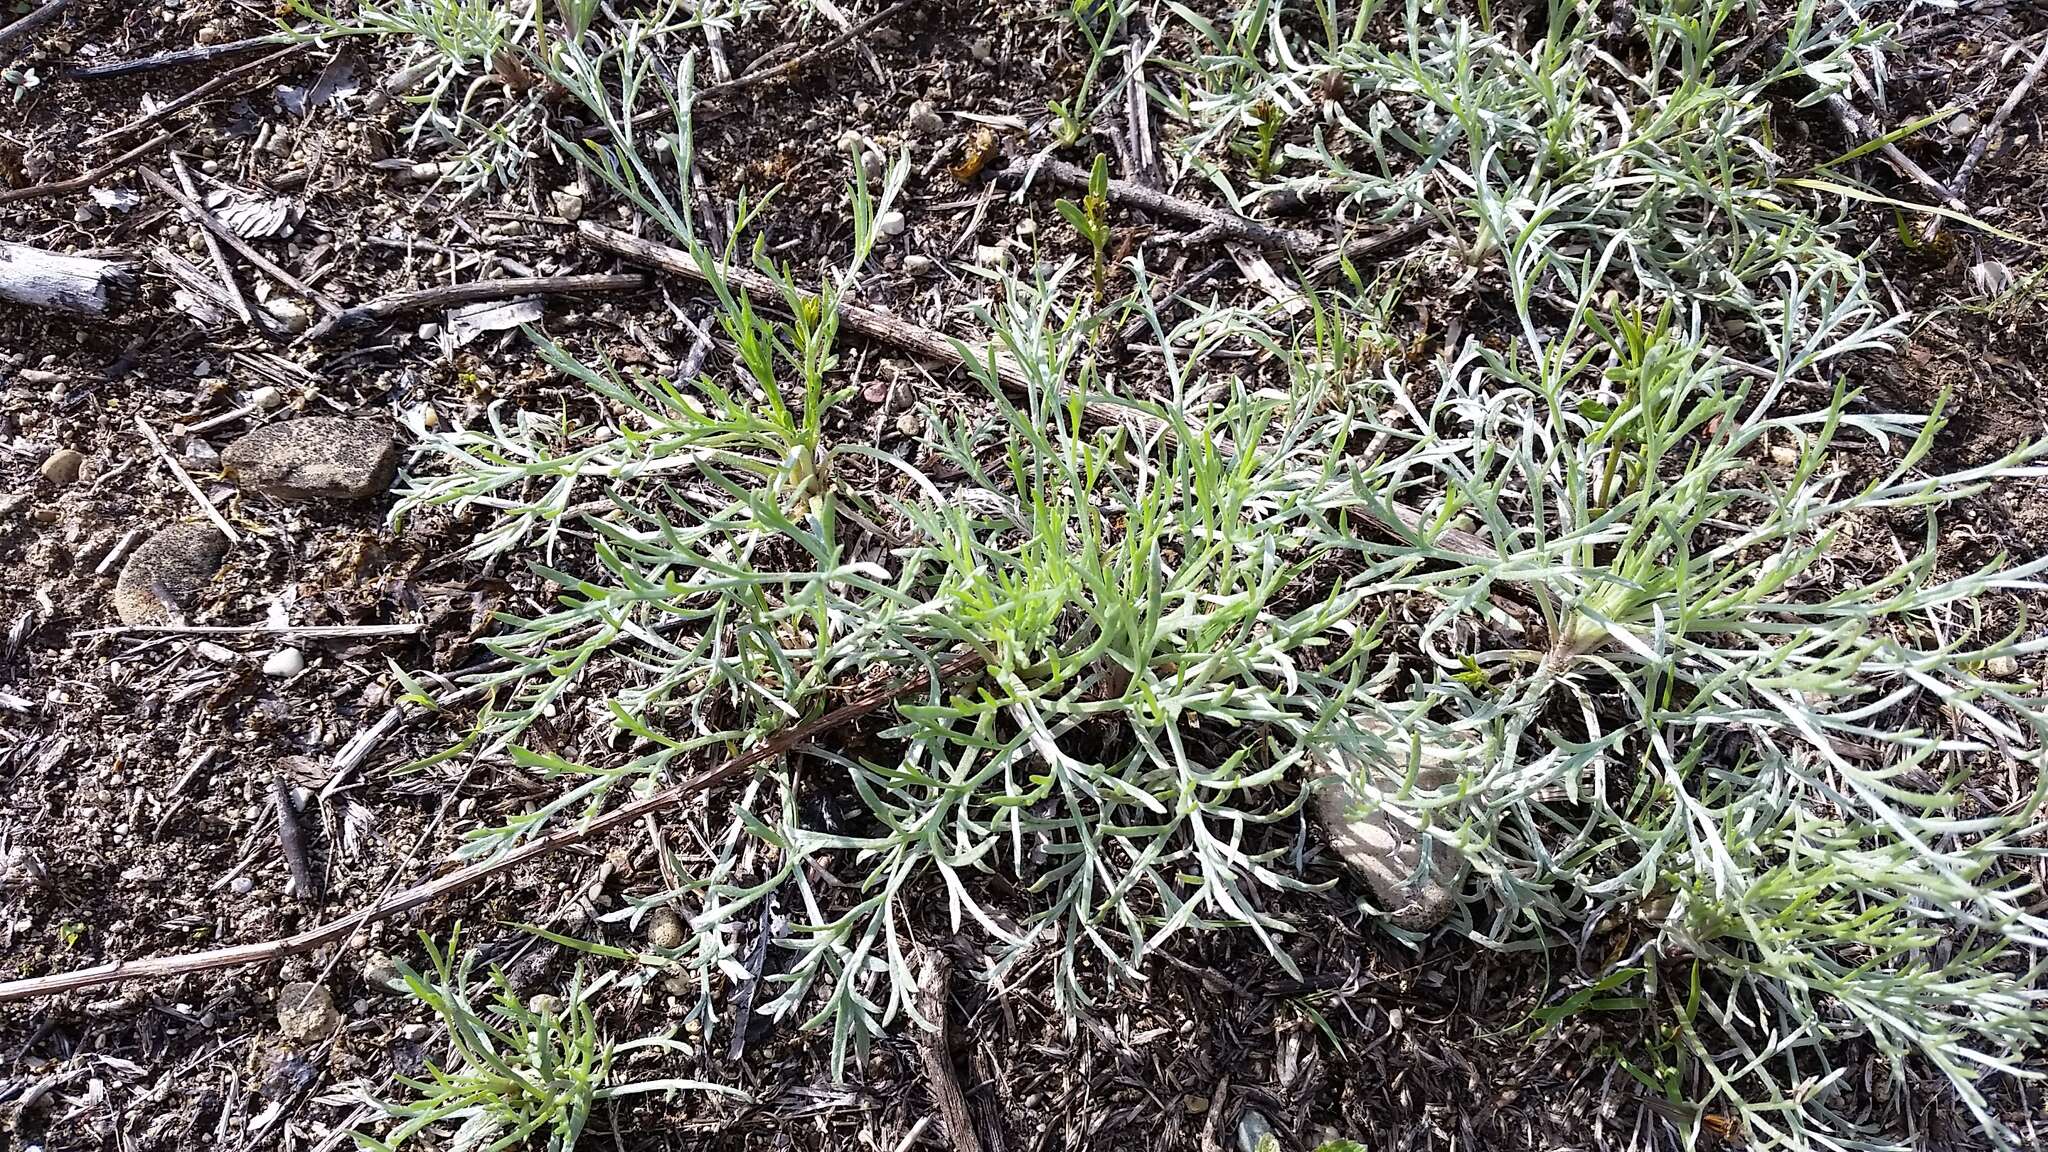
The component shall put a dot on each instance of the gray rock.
(1387, 853)
(288, 313)
(315, 458)
(61, 467)
(167, 571)
(1255, 1133)
(924, 119)
(306, 1012)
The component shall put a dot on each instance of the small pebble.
(1254, 1132)
(266, 397)
(242, 886)
(379, 971)
(288, 313)
(924, 119)
(910, 424)
(917, 265)
(284, 663)
(2003, 667)
(61, 466)
(664, 928)
(890, 224)
(416, 1033)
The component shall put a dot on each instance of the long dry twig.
(197, 94)
(222, 267)
(33, 21)
(161, 967)
(423, 299)
(185, 479)
(1404, 522)
(935, 1049)
(1294, 241)
(291, 840)
(867, 321)
(89, 177)
(1967, 170)
(196, 55)
(303, 631)
(1852, 123)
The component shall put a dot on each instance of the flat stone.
(306, 1012)
(168, 570)
(315, 458)
(1387, 853)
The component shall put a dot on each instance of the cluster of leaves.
(518, 1075)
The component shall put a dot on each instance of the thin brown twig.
(184, 964)
(1967, 170)
(293, 843)
(867, 321)
(303, 631)
(34, 20)
(227, 235)
(86, 179)
(935, 1049)
(196, 55)
(1852, 123)
(185, 479)
(221, 265)
(197, 94)
(1294, 241)
(423, 299)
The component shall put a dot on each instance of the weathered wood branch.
(79, 285)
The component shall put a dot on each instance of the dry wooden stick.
(33, 21)
(212, 224)
(447, 294)
(86, 179)
(161, 967)
(221, 266)
(197, 94)
(1960, 182)
(1294, 241)
(935, 1051)
(1400, 519)
(304, 631)
(1853, 124)
(198, 497)
(198, 55)
(293, 842)
(864, 320)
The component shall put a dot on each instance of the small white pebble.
(891, 224)
(284, 663)
(242, 886)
